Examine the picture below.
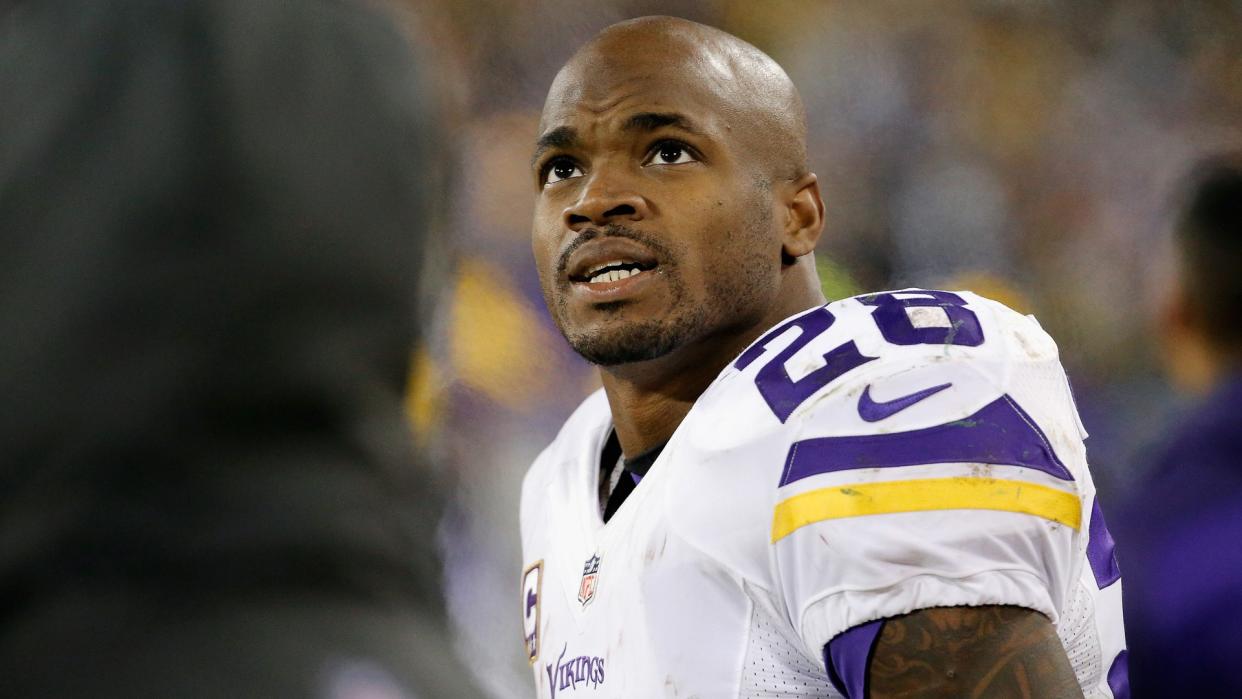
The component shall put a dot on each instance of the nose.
(605, 200)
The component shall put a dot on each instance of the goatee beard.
(638, 341)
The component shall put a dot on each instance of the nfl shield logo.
(590, 580)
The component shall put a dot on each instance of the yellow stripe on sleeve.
(888, 497)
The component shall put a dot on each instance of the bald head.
(741, 86)
(677, 152)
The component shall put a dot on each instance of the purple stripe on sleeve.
(1000, 433)
(847, 655)
(1101, 550)
(1119, 676)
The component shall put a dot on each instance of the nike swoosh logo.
(874, 411)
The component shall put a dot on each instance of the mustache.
(611, 230)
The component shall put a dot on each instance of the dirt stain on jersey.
(981, 471)
(652, 554)
(670, 687)
(826, 542)
(1033, 351)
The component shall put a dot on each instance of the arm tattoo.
(979, 652)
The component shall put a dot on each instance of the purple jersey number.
(896, 322)
(781, 392)
(892, 316)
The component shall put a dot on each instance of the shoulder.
(900, 385)
(933, 358)
(892, 332)
(578, 440)
(923, 450)
(889, 362)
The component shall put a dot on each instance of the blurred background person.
(1179, 533)
(213, 216)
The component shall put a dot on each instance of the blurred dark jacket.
(1180, 549)
(211, 223)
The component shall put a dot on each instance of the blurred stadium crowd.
(1027, 150)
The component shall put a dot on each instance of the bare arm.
(978, 652)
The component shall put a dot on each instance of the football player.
(882, 496)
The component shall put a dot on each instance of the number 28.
(894, 318)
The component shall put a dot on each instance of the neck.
(650, 399)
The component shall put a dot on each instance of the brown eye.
(561, 169)
(670, 153)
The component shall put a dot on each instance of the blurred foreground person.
(1181, 534)
(210, 214)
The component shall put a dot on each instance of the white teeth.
(614, 275)
(591, 272)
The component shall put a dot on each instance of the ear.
(804, 217)
(1188, 356)
(1175, 316)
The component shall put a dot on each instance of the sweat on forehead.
(731, 77)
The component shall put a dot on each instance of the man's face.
(653, 227)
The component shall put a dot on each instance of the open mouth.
(612, 271)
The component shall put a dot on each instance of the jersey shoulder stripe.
(850, 455)
(998, 433)
(925, 495)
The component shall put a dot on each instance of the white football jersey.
(865, 459)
